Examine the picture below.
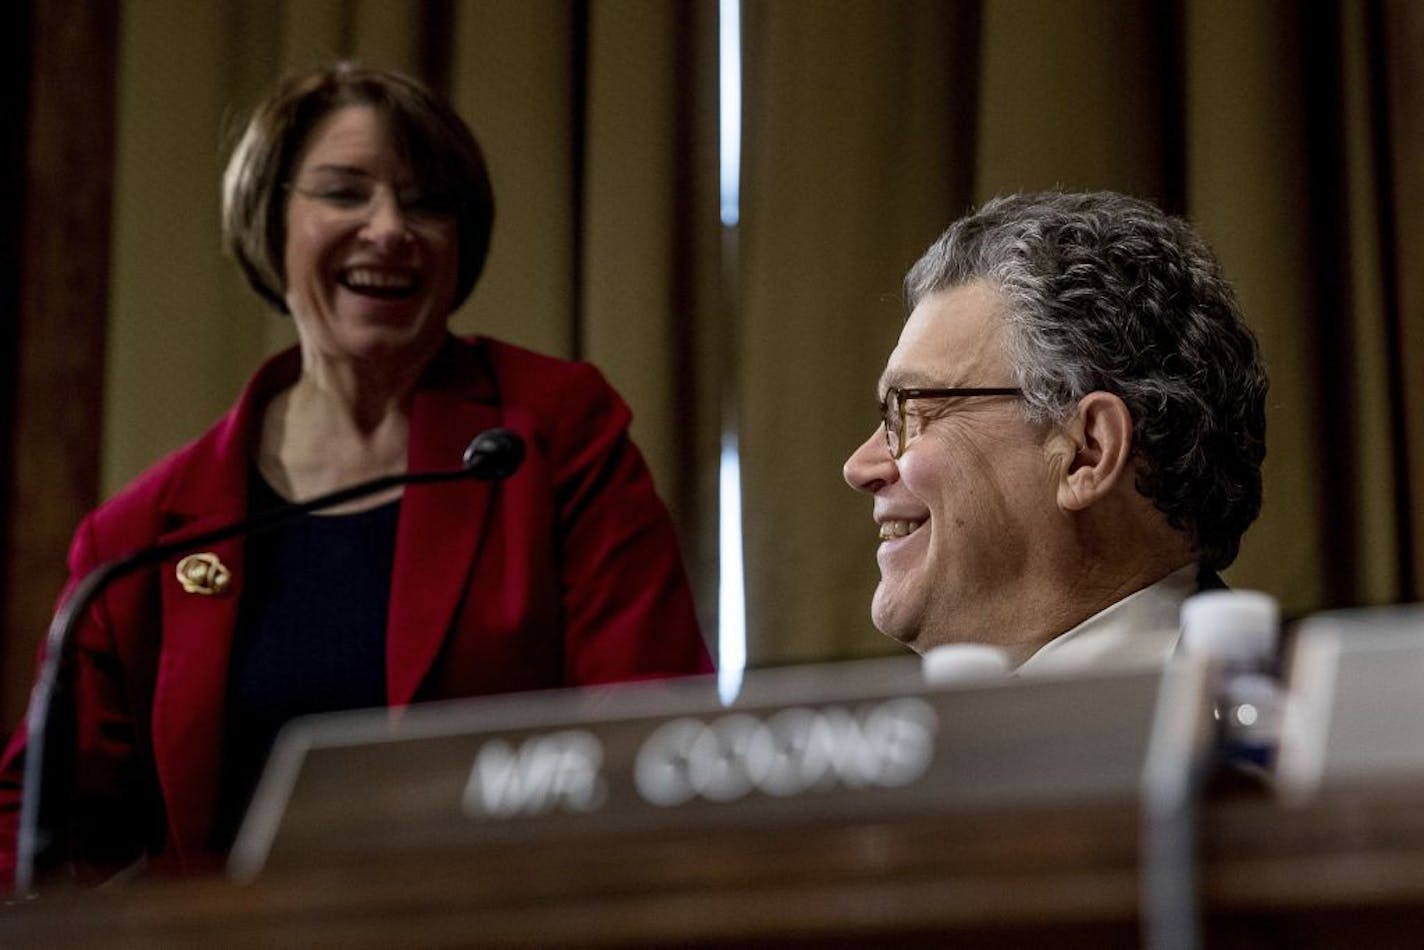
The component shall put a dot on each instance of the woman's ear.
(1100, 433)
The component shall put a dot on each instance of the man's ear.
(1100, 433)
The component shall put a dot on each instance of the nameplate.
(827, 742)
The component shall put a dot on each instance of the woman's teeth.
(381, 283)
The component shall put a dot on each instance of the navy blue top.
(311, 634)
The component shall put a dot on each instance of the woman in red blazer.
(359, 203)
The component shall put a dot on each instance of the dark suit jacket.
(568, 573)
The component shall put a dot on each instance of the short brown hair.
(435, 143)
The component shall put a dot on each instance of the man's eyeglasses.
(893, 415)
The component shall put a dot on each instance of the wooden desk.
(1347, 871)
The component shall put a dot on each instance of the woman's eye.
(345, 197)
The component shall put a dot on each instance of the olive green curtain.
(857, 147)
(1291, 136)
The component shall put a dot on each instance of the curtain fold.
(1074, 94)
(1375, 573)
(1398, 34)
(857, 152)
(1245, 108)
(650, 264)
(513, 79)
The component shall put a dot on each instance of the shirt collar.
(1141, 629)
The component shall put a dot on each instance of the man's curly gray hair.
(1106, 292)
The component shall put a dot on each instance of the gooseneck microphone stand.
(495, 454)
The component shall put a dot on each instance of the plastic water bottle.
(1240, 629)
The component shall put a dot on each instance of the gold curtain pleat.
(856, 154)
(512, 77)
(1373, 573)
(650, 256)
(1245, 110)
(1401, 70)
(1071, 95)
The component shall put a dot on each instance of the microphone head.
(494, 454)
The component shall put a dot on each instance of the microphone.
(493, 455)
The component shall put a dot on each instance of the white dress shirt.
(1139, 630)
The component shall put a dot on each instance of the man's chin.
(895, 625)
(911, 629)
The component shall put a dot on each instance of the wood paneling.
(61, 309)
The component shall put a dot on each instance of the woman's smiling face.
(370, 263)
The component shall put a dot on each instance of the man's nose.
(870, 467)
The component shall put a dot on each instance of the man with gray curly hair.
(1072, 430)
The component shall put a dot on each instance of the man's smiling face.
(961, 510)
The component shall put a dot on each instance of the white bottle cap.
(964, 662)
(1240, 626)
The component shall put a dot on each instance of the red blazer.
(568, 573)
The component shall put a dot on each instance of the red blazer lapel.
(441, 526)
(190, 694)
(437, 541)
(197, 628)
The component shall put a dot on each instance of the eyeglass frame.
(899, 397)
(422, 208)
